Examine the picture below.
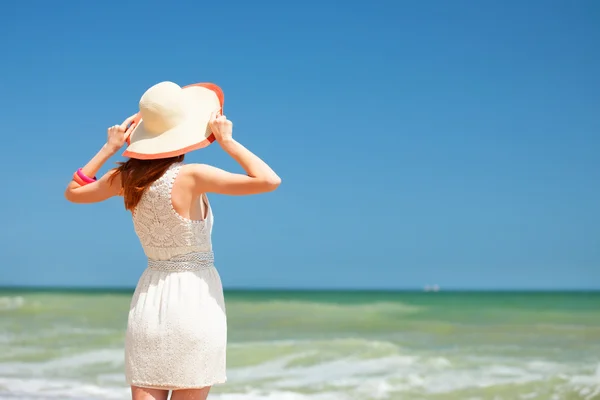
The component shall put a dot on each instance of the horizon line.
(49, 288)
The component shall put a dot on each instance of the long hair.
(138, 175)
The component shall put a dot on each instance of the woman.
(177, 331)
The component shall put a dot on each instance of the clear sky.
(449, 142)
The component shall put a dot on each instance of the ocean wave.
(9, 303)
(273, 306)
(416, 375)
(37, 389)
(66, 365)
(340, 369)
(289, 319)
(282, 395)
(384, 379)
(395, 377)
(356, 342)
(40, 340)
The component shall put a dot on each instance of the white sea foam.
(306, 374)
(382, 376)
(282, 395)
(111, 358)
(11, 303)
(588, 386)
(22, 389)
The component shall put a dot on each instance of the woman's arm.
(260, 177)
(102, 188)
(99, 190)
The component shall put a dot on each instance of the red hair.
(138, 175)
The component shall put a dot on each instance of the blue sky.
(425, 142)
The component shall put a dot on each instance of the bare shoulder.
(198, 171)
(197, 176)
(210, 179)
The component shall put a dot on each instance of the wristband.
(84, 177)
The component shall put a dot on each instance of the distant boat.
(432, 288)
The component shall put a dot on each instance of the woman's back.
(163, 232)
(177, 310)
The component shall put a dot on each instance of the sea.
(323, 345)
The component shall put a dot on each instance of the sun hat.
(173, 120)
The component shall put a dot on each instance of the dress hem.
(175, 387)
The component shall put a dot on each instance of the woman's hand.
(221, 127)
(118, 134)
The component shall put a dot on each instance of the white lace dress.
(177, 328)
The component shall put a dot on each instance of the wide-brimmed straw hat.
(173, 120)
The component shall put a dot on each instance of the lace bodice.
(164, 233)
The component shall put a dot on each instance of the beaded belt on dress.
(184, 262)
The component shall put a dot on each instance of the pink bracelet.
(84, 177)
(78, 180)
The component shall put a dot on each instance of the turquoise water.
(324, 345)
